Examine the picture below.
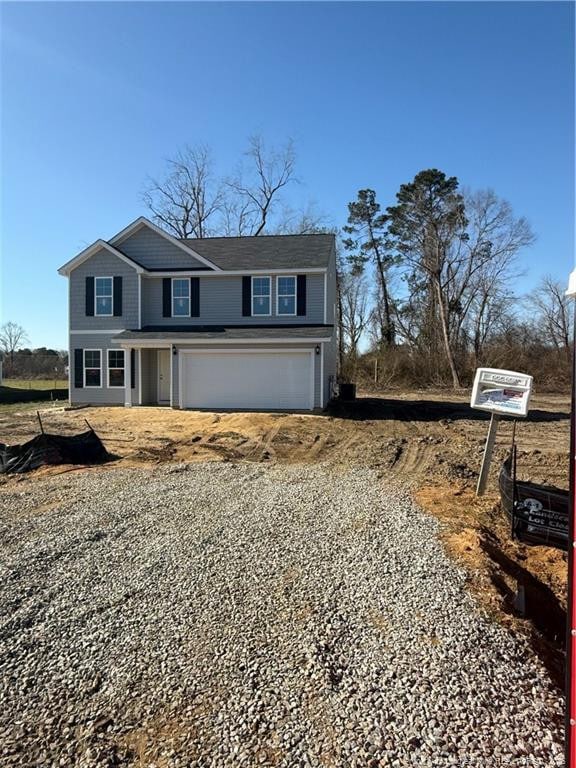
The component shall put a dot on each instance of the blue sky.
(96, 95)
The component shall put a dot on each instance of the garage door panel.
(247, 380)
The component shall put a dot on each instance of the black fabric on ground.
(85, 448)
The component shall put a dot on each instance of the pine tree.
(367, 244)
(427, 226)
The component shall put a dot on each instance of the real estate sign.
(502, 392)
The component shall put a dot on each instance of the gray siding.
(156, 252)
(103, 264)
(103, 395)
(240, 347)
(221, 303)
(331, 290)
(330, 349)
(330, 365)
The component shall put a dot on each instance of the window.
(180, 297)
(261, 296)
(92, 368)
(115, 367)
(286, 296)
(103, 296)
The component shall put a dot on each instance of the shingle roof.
(265, 251)
(225, 333)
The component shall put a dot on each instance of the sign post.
(498, 392)
(487, 458)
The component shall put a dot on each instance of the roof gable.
(153, 248)
(96, 246)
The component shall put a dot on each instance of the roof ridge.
(260, 237)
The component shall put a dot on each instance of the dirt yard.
(431, 440)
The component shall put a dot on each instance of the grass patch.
(15, 391)
(34, 405)
(35, 384)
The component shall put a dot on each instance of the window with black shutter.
(167, 297)
(117, 296)
(246, 296)
(301, 294)
(78, 368)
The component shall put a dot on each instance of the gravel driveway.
(240, 615)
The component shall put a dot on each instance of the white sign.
(505, 392)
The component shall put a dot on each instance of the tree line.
(426, 284)
(21, 362)
(427, 290)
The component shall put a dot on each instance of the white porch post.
(128, 378)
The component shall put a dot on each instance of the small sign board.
(539, 514)
(539, 525)
(502, 392)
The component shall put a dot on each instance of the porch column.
(127, 378)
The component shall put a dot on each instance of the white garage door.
(249, 379)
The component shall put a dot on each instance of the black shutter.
(246, 296)
(167, 297)
(301, 295)
(194, 297)
(78, 368)
(90, 297)
(133, 367)
(117, 297)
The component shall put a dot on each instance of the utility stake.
(520, 599)
(40, 422)
(487, 458)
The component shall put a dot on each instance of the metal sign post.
(488, 451)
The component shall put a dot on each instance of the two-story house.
(223, 322)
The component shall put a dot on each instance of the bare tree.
(491, 312)
(304, 221)
(187, 201)
(486, 265)
(191, 201)
(355, 313)
(236, 217)
(12, 336)
(551, 311)
(256, 190)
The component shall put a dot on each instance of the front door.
(164, 375)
